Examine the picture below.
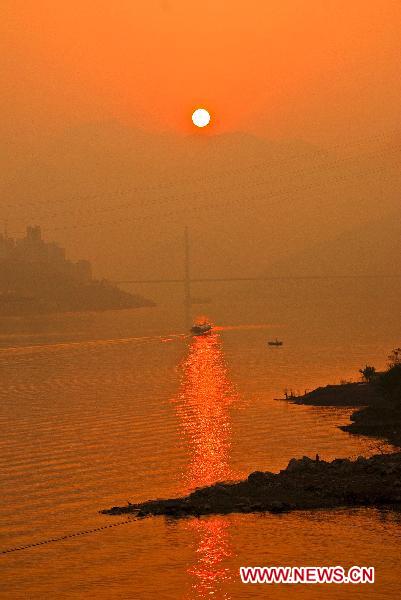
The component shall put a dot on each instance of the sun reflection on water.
(206, 395)
(203, 407)
(209, 574)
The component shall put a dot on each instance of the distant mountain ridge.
(122, 197)
(372, 249)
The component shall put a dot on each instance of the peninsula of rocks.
(305, 484)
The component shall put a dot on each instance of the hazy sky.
(302, 68)
(95, 115)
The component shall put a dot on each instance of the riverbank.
(61, 296)
(305, 484)
(344, 394)
(312, 483)
(378, 414)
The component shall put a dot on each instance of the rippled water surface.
(99, 409)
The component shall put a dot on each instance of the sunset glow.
(200, 299)
(203, 409)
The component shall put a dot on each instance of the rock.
(342, 464)
(260, 477)
(304, 485)
(301, 464)
(278, 507)
(223, 488)
(388, 470)
(313, 487)
(292, 465)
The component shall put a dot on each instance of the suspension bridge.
(187, 279)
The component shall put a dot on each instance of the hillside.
(369, 249)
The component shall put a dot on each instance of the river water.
(101, 409)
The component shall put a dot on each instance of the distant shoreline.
(94, 296)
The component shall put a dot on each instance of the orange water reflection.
(208, 573)
(206, 395)
(203, 407)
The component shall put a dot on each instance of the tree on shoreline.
(368, 373)
(394, 358)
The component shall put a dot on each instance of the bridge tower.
(187, 280)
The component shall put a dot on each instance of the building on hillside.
(32, 255)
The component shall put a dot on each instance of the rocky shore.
(309, 483)
(378, 403)
(305, 484)
(343, 394)
(377, 421)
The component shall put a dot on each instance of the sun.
(201, 117)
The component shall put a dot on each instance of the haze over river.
(98, 409)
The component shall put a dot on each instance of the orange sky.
(96, 111)
(280, 68)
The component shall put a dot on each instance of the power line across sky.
(210, 188)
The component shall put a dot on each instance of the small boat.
(201, 328)
(275, 342)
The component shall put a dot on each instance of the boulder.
(278, 507)
(260, 477)
(303, 464)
